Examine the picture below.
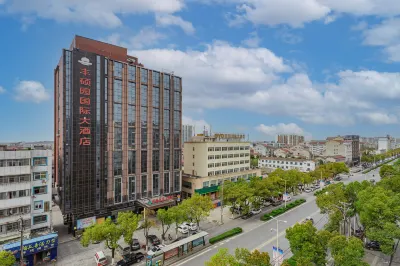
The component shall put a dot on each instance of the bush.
(279, 211)
(232, 232)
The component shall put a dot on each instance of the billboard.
(83, 223)
(33, 246)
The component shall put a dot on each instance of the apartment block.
(290, 139)
(317, 147)
(273, 163)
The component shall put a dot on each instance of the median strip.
(373, 168)
(225, 235)
(279, 211)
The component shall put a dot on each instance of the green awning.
(206, 190)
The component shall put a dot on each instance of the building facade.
(25, 192)
(302, 165)
(117, 132)
(264, 149)
(334, 147)
(211, 160)
(290, 139)
(383, 144)
(187, 133)
(355, 147)
(348, 151)
(317, 147)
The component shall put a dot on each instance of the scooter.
(169, 237)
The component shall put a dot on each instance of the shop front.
(35, 250)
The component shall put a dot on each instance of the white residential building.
(25, 191)
(264, 149)
(317, 147)
(282, 152)
(302, 165)
(383, 144)
(348, 151)
(187, 133)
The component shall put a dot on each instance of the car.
(317, 187)
(288, 198)
(154, 240)
(276, 202)
(100, 258)
(308, 190)
(191, 226)
(309, 219)
(155, 251)
(131, 259)
(255, 211)
(372, 180)
(247, 216)
(183, 229)
(373, 245)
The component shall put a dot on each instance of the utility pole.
(277, 238)
(285, 199)
(222, 201)
(22, 242)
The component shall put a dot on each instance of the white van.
(100, 258)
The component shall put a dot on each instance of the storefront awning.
(184, 241)
(206, 190)
(152, 205)
(34, 245)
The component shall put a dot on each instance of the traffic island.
(279, 211)
(225, 235)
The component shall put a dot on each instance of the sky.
(259, 67)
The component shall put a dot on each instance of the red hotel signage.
(162, 199)
(85, 91)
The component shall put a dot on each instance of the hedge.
(232, 232)
(373, 168)
(276, 212)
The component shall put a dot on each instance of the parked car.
(308, 190)
(131, 259)
(255, 211)
(288, 198)
(373, 245)
(309, 219)
(276, 202)
(183, 229)
(191, 226)
(247, 216)
(317, 186)
(155, 251)
(100, 258)
(154, 240)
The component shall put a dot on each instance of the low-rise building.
(25, 192)
(334, 147)
(317, 147)
(264, 149)
(282, 152)
(299, 152)
(211, 160)
(302, 165)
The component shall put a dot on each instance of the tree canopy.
(242, 257)
(7, 258)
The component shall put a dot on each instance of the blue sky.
(259, 67)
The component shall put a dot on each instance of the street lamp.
(277, 234)
(285, 199)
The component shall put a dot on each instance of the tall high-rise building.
(187, 133)
(290, 139)
(117, 133)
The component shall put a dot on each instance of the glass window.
(117, 138)
(131, 138)
(156, 138)
(38, 204)
(156, 97)
(118, 114)
(156, 160)
(117, 190)
(177, 119)
(144, 162)
(143, 95)
(177, 159)
(143, 117)
(167, 140)
(40, 190)
(166, 99)
(132, 187)
(177, 84)
(40, 219)
(131, 162)
(166, 119)
(166, 81)
(143, 75)
(131, 93)
(131, 72)
(117, 69)
(156, 78)
(117, 163)
(117, 90)
(144, 184)
(177, 139)
(144, 137)
(167, 161)
(156, 185)
(206, 184)
(131, 115)
(156, 117)
(38, 176)
(36, 162)
(177, 100)
(166, 183)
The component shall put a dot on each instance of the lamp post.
(285, 199)
(277, 236)
(222, 199)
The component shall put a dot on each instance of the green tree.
(147, 224)
(128, 222)
(242, 257)
(388, 171)
(307, 245)
(197, 207)
(7, 258)
(347, 252)
(254, 162)
(222, 258)
(166, 219)
(238, 194)
(178, 216)
(107, 231)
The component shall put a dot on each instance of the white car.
(255, 211)
(156, 250)
(100, 258)
(183, 229)
(191, 226)
(308, 190)
(287, 198)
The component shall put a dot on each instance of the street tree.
(238, 194)
(147, 224)
(222, 258)
(261, 191)
(108, 231)
(178, 215)
(388, 171)
(308, 245)
(197, 207)
(242, 257)
(128, 222)
(166, 219)
(7, 258)
(392, 183)
(347, 252)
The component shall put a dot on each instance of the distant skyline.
(323, 68)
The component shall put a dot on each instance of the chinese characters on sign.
(162, 199)
(85, 84)
(33, 246)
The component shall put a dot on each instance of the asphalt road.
(262, 236)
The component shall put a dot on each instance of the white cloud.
(147, 37)
(31, 91)
(165, 20)
(199, 125)
(2, 90)
(378, 118)
(253, 41)
(280, 128)
(103, 13)
(288, 37)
